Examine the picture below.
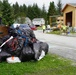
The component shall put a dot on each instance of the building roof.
(37, 19)
(69, 4)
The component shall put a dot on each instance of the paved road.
(62, 45)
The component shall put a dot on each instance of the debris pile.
(21, 45)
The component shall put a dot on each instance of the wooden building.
(69, 14)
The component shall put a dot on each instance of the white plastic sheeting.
(13, 60)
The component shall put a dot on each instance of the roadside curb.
(69, 35)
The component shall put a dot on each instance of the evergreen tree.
(34, 12)
(30, 12)
(0, 8)
(21, 12)
(7, 13)
(16, 9)
(44, 13)
(37, 11)
(0, 12)
(59, 7)
(51, 11)
(25, 9)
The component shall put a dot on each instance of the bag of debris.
(20, 46)
(42, 55)
(27, 54)
(44, 46)
(28, 33)
(12, 32)
(4, 55)
(37, 50)
(1, 41)
(13, 60)
(40, 49)
(14, 46)
(6, 38)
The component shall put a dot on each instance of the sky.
(40, 2)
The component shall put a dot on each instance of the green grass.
(55, 32)
(59, 32)
(49, 65)
(39, 28)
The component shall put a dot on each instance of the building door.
(69, 19)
